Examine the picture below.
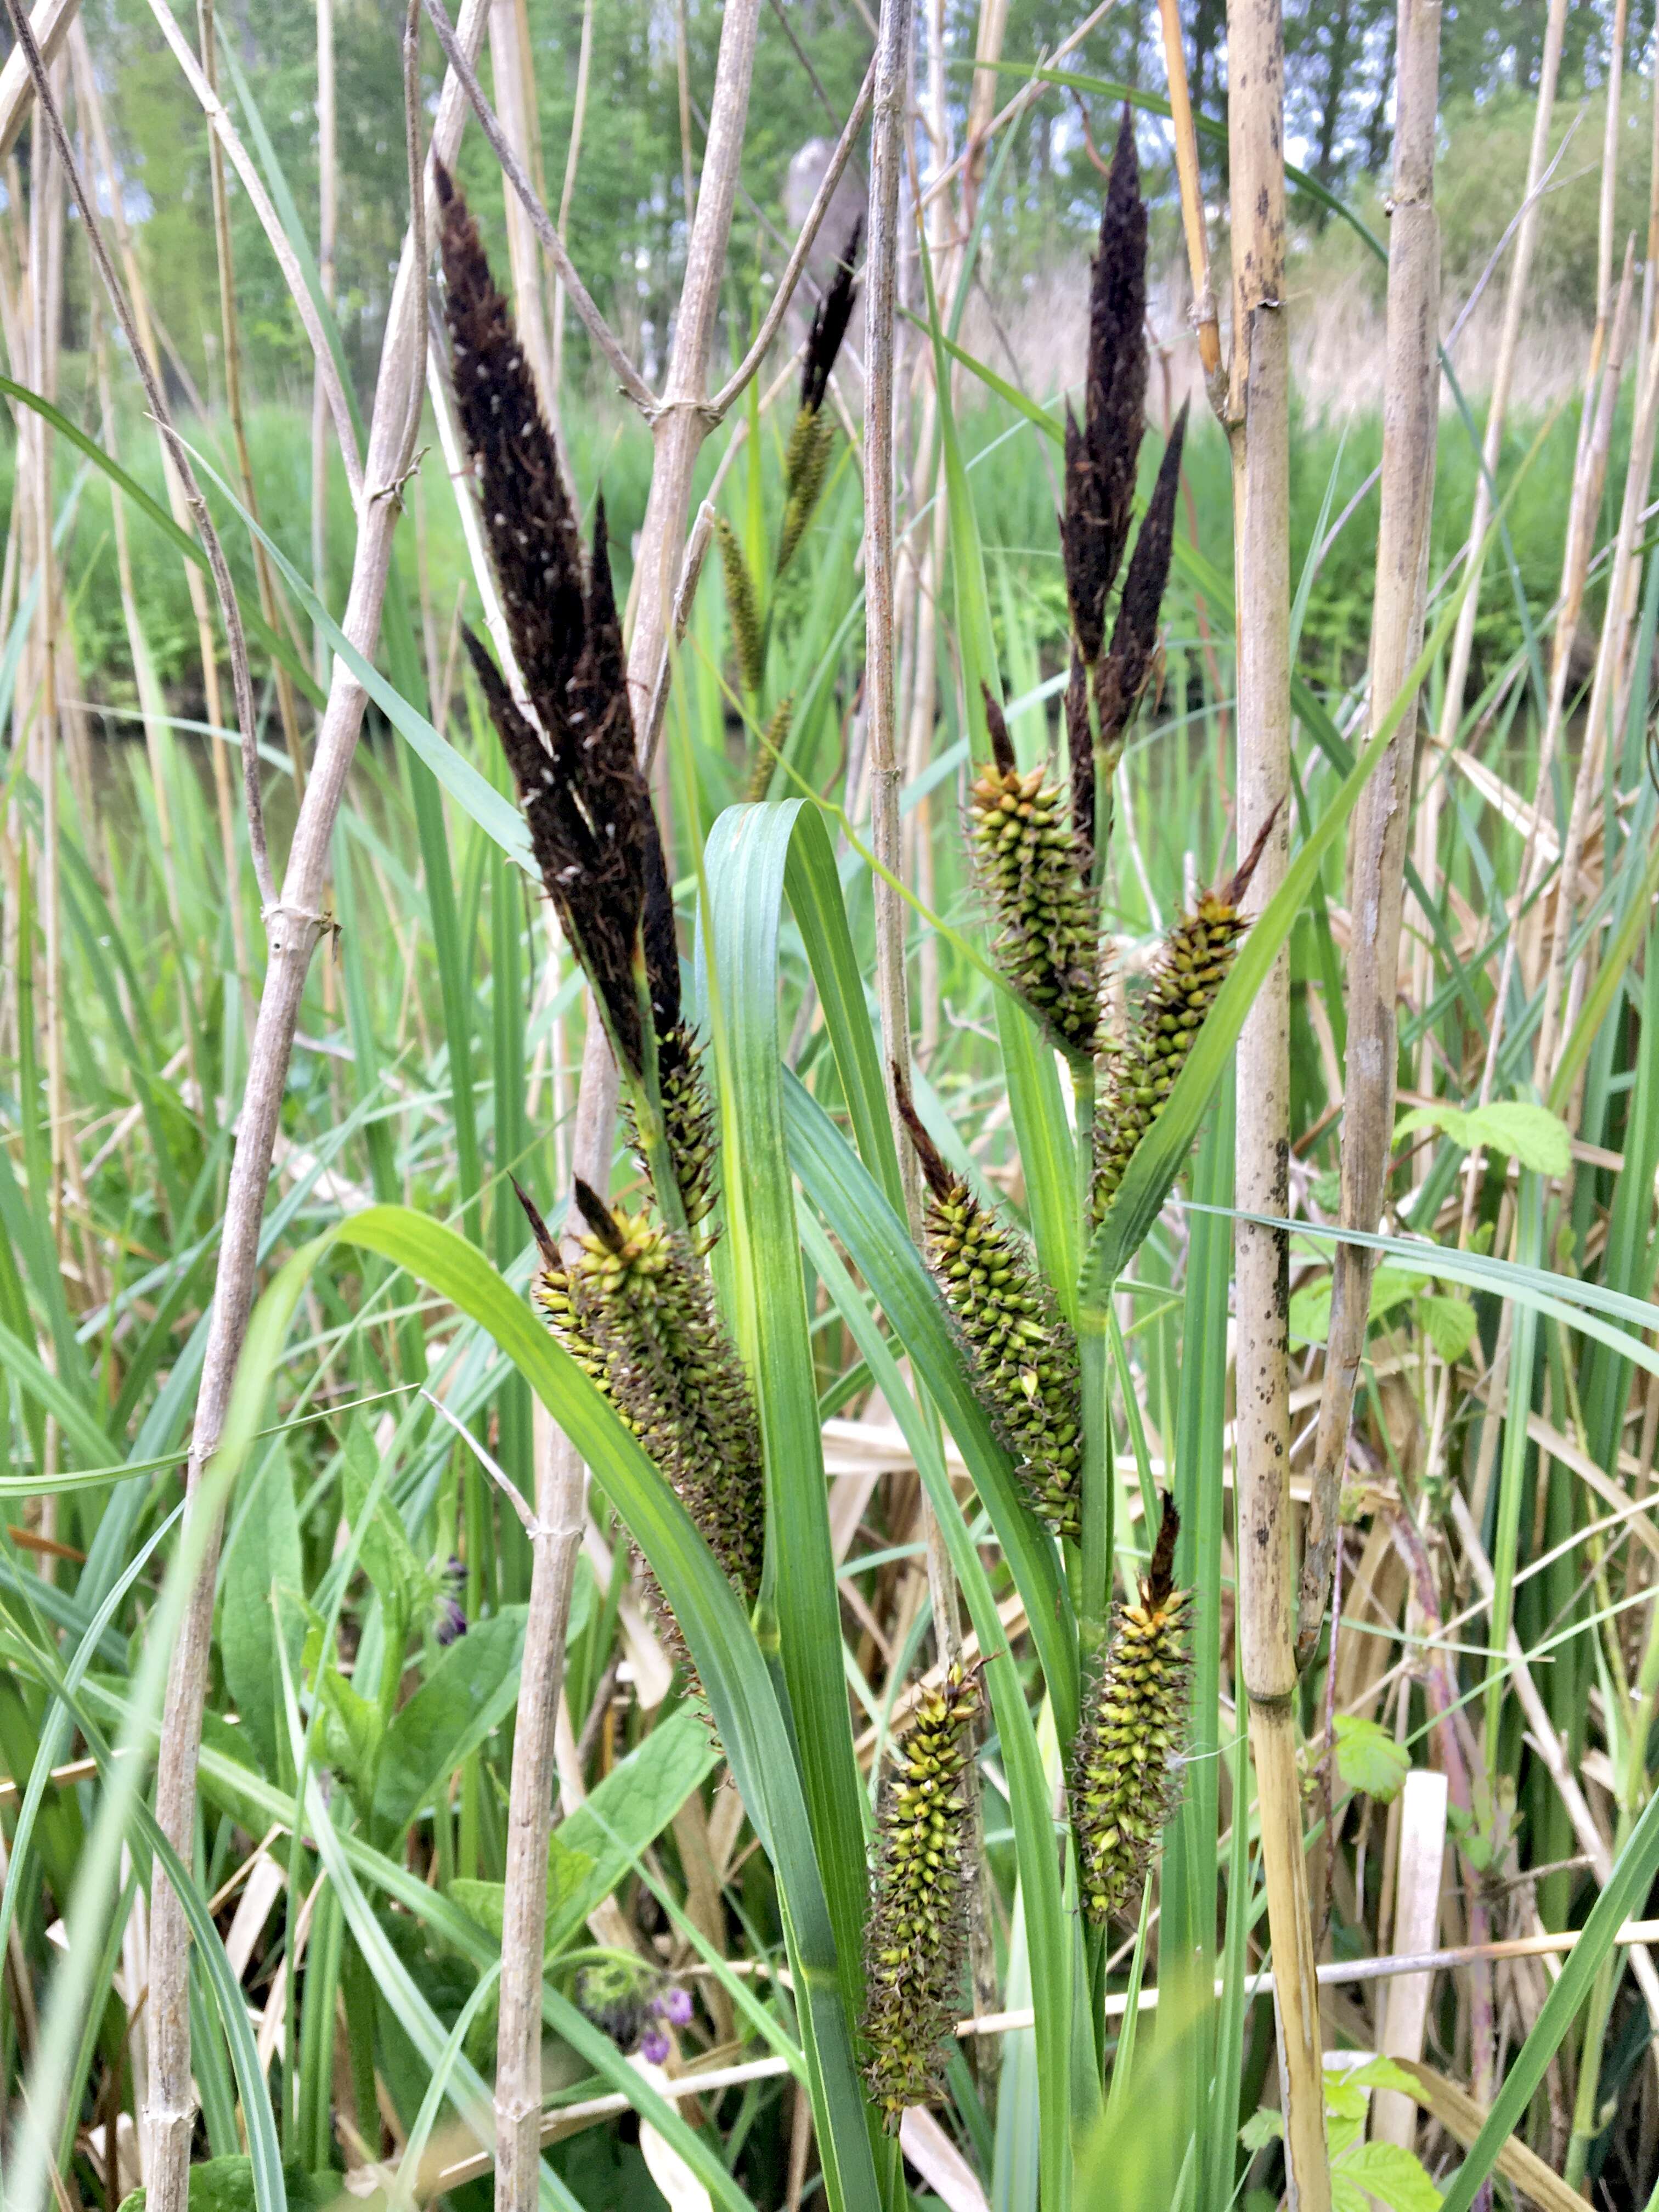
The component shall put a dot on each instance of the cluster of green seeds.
(1191, 969)
(805, 464)
(1125, 1774)
(1037, 881)
(1024, 1355)
(918, 1927)
(742, 607)
(636, 1311)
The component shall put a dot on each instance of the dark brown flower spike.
(576, 764)
(531, 524)
(1102, 454)
(1122, 676)
(829, 324)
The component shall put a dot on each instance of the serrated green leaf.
(1391, 2174)
(1310, 1308)
(1368, 1759)
(1452, 1324)
(1261, 2129)
(1530, 1135)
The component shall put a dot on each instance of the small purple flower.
(452, 1614)
(654, 2046)
(674, 2005)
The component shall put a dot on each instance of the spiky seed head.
(1101, 453)
(1125, 1783)
(741, 607)
(770, 750)
(1034, 872)
(636, 1310)
(806, 465)
(917, 1931)
(1022, 1353)
(1121, 677)
(1192, 966)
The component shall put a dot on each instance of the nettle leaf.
(1368, 1759)
(1310, 1308)
(1530, 1135)
(1452, 1324)
(1261, 2129)
(1387, 2172)
(569, 1875)
(1382, 2074)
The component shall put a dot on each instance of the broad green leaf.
(401, 1582)
(734, 1676)
(626, 1814)
(469, 1693)
(1261, 2127)
(1387, 2172)
(263, 1577)
(351, 1730)
(1452, 1324)
(225, 2185)
(1531, 1135)
(1311, 1306)
(1368, 1758)
(570, 1877)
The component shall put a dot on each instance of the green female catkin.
(1125, 1773)
(917, 1932)
(1022, 1354)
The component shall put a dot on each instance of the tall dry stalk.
(1426, 844)
(567, 192)
(1378, 855)
(1259, 393)
(513, 66)
(328, 200)
(294, 922)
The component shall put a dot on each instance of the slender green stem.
(1093, 1583)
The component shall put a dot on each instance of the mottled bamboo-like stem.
(1410, 419)
(679, 425)
(295, 922)
(1259, 423)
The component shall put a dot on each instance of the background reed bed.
(860, 1400)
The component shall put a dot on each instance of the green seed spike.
(774, 739)
(1035, 870)
(1022, 1354)
(1191, 968)
(1126, 1770)
(741, 607)
(917, 1931)
(806, 465)
(635, 1311)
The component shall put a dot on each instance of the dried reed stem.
(49, 21)
(294, 923)
(572, 158)
(513, 66)
(229, 613)
(270, 223)
(513, 169)
(1258, 413)
(1378, 855)
(328, 202)
(1192, 199)
(1427, 838)
(287, 707)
